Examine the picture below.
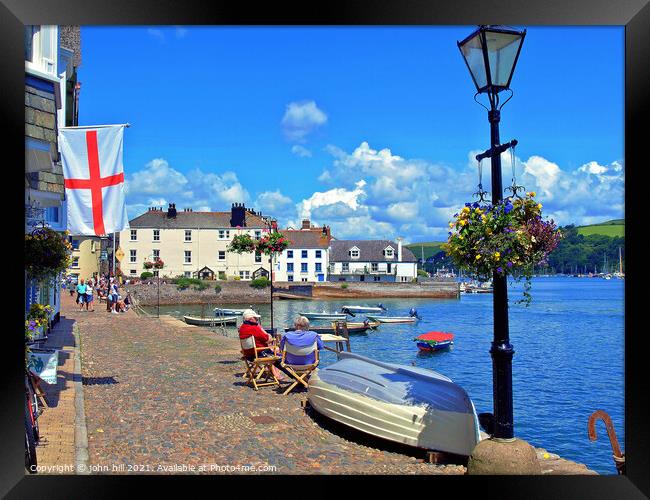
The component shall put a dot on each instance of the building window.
(134, 235)
(388, 252)
(258, 256)
(318, 254)
(188, 256)
(75, 262)
(75, 244)
(187, 274)
(319, 267)
(289, 254)
(222, 255)
(304, 279)
(133, 272)
(346, 267)
(245, 275)
(132, 256)
(374, 267)
(156, 234)
(290, 277)
(258, 235)
(156, 254)
(303, 267)
(52, 215)
(289, 267)
(188, 235)
(304, 254)
(224, 234)
(354, 253)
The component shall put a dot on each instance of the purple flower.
(499, 269)
(509, 264)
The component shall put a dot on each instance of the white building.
(52, 55)
(306, 258)
(371, 260)
(193, 244)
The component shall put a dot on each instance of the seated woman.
(302, 336)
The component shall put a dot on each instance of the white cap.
(249, 313)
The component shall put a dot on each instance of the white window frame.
(134, 235)
(374, 266)
(245, 275)
(289, 254)
(224, 234)
(304, 267)
(156, 254)
(355, 253)
(133, 272)
(75, 263)
(47, 35)
(318, 254)
(319, 267)
(133, 256)
(187, 254)
(258, 235)
(219, 253)
(304, 254)
(186, 235)
(156, 235)
(345, 267)
(258, 257)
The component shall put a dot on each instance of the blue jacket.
(301, 339)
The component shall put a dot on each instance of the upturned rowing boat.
(404, 404)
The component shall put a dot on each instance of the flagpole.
(127, 125)
(114, 273)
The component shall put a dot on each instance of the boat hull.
(321, 316)
(228, 312)
(423, 346)
(362, 309)
(392, 319)
(352, 328)
(196, 321)
(430, 413)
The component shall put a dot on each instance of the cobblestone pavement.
(161, 397)
(56, 448)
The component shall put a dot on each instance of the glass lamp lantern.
(491, 54)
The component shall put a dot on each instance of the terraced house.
(194, 244)
(307, 258)
(52, 56)
(371, 260)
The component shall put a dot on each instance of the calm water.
(569, 355)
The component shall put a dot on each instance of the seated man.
(252, 328)
(302, 336)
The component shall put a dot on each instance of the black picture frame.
(634, 15)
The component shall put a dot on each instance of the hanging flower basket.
(272, 243)
(37, 320)
(147, 264)
(242, 243)
(508, 239)
(47, 254)
(158, 264)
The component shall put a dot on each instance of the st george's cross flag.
(94, 179)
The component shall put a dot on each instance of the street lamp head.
(491, 53)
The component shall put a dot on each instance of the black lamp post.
(491, 53)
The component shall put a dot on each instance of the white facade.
(302, 265)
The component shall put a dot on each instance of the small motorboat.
(400, 403)
(216, 321)
(363, 309)
(411, 318)
(218, 311)
(324, 316)
(434, 341)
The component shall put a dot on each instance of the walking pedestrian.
(89, 295)
(114, 297)
(81, 294)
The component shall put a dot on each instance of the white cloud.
(301, 151)
(272, 202)
(300, 119)
(350, 198)
(158, 184)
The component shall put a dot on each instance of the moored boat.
(199, 321)
(218, 311)
(363, 309)
(355, 327)
(393, 319)
(404, 404)
(434, 341)
(324, 316)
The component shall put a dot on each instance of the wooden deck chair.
(300, 373)
(257, 367)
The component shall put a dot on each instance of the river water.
(568, 362)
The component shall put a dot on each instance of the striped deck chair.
(300, 373)
(257, 367)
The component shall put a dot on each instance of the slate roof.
(157, 219)
(369, 251)
(309, 238)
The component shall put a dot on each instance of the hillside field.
(430, 248)
(612, 228)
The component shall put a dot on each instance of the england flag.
(94, 179)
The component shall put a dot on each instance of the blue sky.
(369, 129)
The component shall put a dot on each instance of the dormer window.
(354, 253)
(389, 252)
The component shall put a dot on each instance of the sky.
(371, 130)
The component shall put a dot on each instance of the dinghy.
(363, 309)
(434, 341)
(324, 316)
(356, 327)
(404, 404)
(217, 321)
(228, 312)
(393, 319)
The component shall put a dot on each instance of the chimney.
(171, 211)
(306, 224)
(238, 215)
(399, 249)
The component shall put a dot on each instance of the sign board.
(119, 254)
(43, 364)
(103, 255)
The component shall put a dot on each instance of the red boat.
(434, 341)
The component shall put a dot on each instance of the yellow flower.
(479, 211)
(497, 255)
(478, 256)
(451, 224)
(462, 222)
(531, 194)
(460, 236)
(465, 209)
(539, 205)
